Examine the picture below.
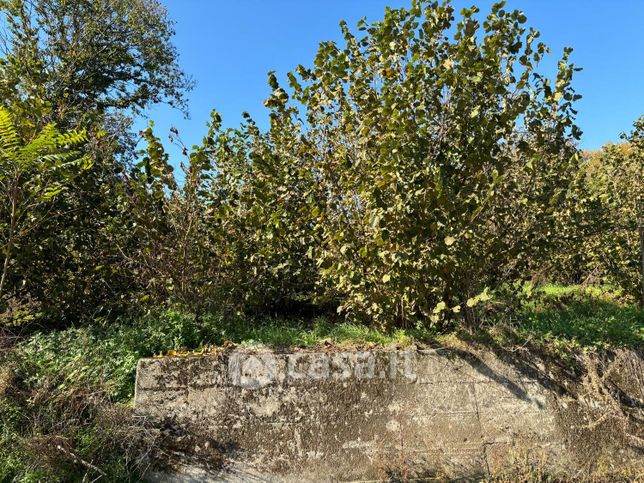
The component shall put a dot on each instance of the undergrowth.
(577, 317)
(65, 396)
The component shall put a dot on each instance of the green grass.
(108, 353)
(95, 367)
(281, 333)
(580, 317)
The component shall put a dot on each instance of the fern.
(9, 139)
(32, 174)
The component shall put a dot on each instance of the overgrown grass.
(280, 333)
(108, 353)
(72, 388)
(580, 317)
(64, 387)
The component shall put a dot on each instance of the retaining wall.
(341, 416)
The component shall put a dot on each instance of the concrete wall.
(363, 415)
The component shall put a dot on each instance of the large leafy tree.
(74, 62)
(92, 65)
(442, 158)
(33, 172)
(406, 171)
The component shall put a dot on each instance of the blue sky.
(228, 46)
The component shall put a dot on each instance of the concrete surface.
(354, 416)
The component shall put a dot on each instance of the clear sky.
(228, 46)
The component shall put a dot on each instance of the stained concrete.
(373, 415)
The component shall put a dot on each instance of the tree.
(79, 62)
(32, 174)
(403, 175)
(89, 65)
(608, 205)
(235, 236)
(441, 158)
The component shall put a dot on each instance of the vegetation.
(408, 183)
(612, 194)
(582, 317)
(418, 184)
(403, 177)
(87, 67)
(33, 174)
(73, 387)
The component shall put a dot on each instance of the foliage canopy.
(408, 170)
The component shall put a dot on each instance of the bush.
(444, 160)
(414, 167)
(404, 175)
(610, 203)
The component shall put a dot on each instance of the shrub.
(415, 166)
(92, 67)
(34, 171)
(613, 188)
